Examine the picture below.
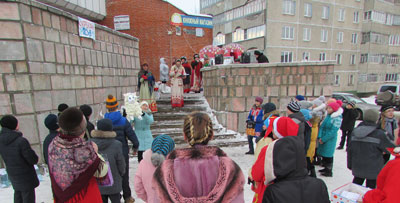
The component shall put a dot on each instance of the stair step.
(189, 109)
(186, 101)
(169, 116)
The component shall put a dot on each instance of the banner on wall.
(191, 21)
(86, 28)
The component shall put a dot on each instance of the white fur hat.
(143, 103)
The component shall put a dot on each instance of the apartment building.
(301, 30)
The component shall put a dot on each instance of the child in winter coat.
(327, 136)
(111, 149)
(152, 158)
(281, 127)
(19, 158)
(51, 123)
(286, 175)
(318, 114)
(350, 115)
(388, 123)
(142, 130)
(388, 182)
(199, 173)
(364, 155)
(293, 112)
(74, 164)
(255, 116)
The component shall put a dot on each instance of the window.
(322, 56)
(219, 39)
(306, 56)
(255, 32)
(351, 80)
(286, 56)
(352, 59)
(324, 35)
(337, 80)
(287, 32)
(391, 77)
(338, 58)
(340, 37)
(325, 12)
(306, 34)
(356, 17)
(393, 59)
(289, 7)
(341, 15)
(394, 40)
(367, 15)
(354, 38)
(367, 78)
(364, 58)
(375, 16)
(389, 19)
(238, 35)
(307, 10)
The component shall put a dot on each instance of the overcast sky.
(189, 6)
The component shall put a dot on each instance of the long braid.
(198, 128)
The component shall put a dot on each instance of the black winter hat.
(51, 122)
(9, 121)
(71, 122)
(62, 107)
(86, 110)
(257, 53)
(268, 107)
(104, 125)
(386, 107)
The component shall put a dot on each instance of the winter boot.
(312, 172)
(317, 161)
(322, 170)
(328, 172)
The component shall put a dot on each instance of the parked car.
(388, 94)
(361, 105)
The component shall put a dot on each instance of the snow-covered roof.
(187, 13)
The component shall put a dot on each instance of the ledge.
(262, 65)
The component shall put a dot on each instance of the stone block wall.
(44, 62)
(231, 89)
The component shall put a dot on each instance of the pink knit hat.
(335, 105)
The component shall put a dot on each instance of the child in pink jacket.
(152, 158)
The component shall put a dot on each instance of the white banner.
(121, 22)
(86, 29)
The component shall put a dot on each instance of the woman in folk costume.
(177, 74)
(188, 70)
(199, 173)
(146, 85)
(74, 163)
(196, 81)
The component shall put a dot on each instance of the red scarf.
(72, 163)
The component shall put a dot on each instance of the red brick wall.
(150, 22)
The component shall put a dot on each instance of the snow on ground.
(341, 175)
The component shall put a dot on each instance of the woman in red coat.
(196, 79)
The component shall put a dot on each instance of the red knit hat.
(285, 126)
(335, 105)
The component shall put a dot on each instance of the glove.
(144, 77)
(124, 114)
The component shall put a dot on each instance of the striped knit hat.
(293, 106)
(111, 102)
(162, 144)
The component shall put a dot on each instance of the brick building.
(150, 21)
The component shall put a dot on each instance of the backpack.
(307, 134)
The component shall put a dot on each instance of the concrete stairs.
(169, 121)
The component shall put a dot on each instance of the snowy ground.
(341, 175)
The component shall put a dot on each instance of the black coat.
(89, 128)
(349, 119)
(19, 158)
(291, 184)
(364, 155)
(262, 59)
(46, 144)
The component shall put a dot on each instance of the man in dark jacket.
(349, 120)
(87, 112)
(261, 58)
(293, 112)
(51, 123)
(364, 155)
(111, 149)
(19, 159)
(124, 130)
(286, 172)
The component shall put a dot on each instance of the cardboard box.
(349, 193)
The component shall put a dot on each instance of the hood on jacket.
(116, 118)
(306, 113)
(8, 136)
(364, 129)
(162, 61)
(299, 116)
(285, 159)
(103, 139)
(337, 113)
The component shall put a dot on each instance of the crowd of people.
(91, 164)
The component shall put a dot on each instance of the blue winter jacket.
(143, 132)
(124, 130)
(259, 119)
(328, 133)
